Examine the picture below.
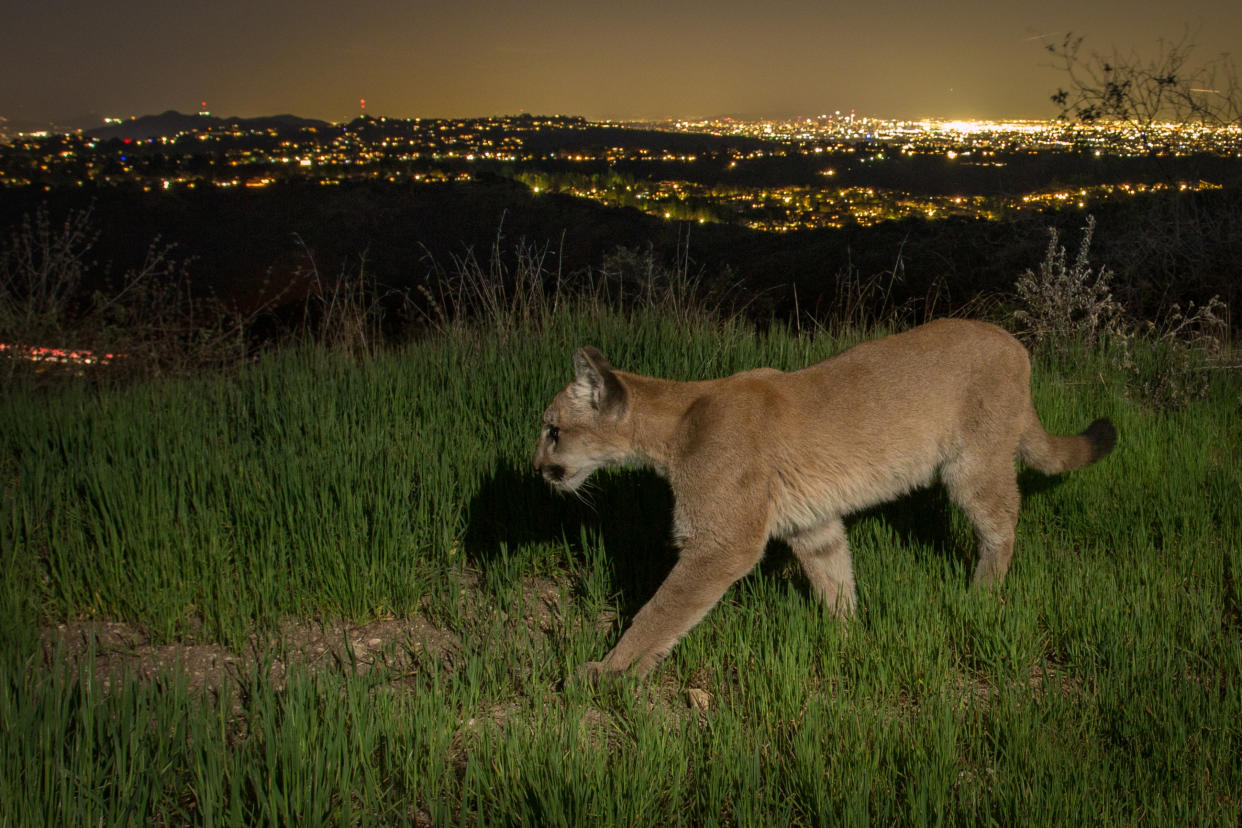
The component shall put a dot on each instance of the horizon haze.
(968, 60)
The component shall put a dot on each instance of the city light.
(56, 356)
(548, 156)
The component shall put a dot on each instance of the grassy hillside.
(329, 590)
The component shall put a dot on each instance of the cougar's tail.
(1054, 454)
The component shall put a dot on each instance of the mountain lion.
(765, 454)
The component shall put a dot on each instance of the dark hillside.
(1165, 248)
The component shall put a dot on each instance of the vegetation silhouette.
(246, 247)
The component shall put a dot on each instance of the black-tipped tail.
(1102, 436)
(1055, 454)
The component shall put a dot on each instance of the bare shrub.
(1068, 303)
(350, 311)
(1144, 86)
(1071, 307)
(634, 279)
(495, 294)
(54, 299)
(41, 273)
(523, 290)
(1184, 347)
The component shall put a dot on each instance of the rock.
(699, 699)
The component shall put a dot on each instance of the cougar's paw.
(591, 673)
(598, 674)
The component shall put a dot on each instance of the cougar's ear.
(593, 373)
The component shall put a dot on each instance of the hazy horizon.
(98, 119)
(645, 61)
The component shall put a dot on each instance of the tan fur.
(765, 454)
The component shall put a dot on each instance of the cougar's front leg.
(705, 570)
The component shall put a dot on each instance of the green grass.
(1103, 686)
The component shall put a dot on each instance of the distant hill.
(173, 123)
(13, 126)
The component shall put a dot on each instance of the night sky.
(639, 59)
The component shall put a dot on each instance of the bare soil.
(118, 650)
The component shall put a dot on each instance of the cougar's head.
(581, 431)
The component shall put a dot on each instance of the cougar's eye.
(554, 433)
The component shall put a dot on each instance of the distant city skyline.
(65, 59)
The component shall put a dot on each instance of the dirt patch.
(402, 648)
(400, 643)
(405, 645)
(975, 690)
(118, 651)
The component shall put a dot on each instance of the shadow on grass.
(925, 519)
(630, 513)
(922, 518)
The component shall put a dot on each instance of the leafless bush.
(1167, 84)
(1071, 307)
(1183, 349)
(348, 312)
(523, 291)
(53, 299)
(860, 304)
(1200, 328)
(41, 272)
(493, 294)
(1068, 303)
(635, 279)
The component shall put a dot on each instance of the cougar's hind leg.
(987, 490)
(824, 554)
